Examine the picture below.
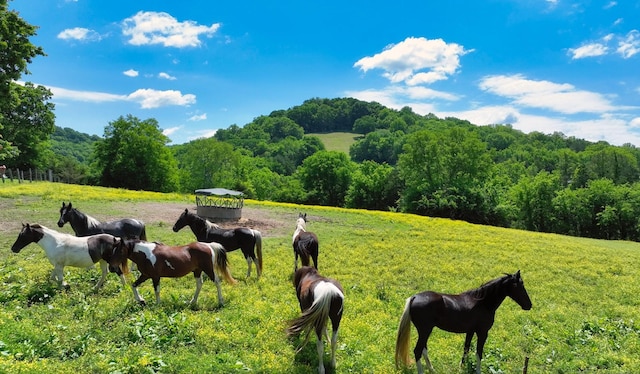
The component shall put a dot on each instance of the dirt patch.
(166, 213)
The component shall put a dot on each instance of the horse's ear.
(517, 274)
(186, 210)
(63, 205)
(69, 204)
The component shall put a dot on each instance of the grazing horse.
(157, 260)
(320, 299)
(68, 250)
(471, 312)
(84, 225)
(305, 244)
(248, 240)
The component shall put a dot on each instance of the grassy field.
(337, 141)
(584, 294)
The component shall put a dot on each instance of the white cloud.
(147, 98)
(171, 130)
(562, 98)
(416, 61)
(80, 34)
(610, 4)
(146, 28)
(198, 117)
(86, 96)
(588, 50)
(635, 122)
(629, 45)
(164, 75)
(130, 73)
(150, 98)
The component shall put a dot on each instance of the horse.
(84, 225)
(471, 312)
(305, 244)
(248, 240)
(158, 260)
(320, 299)
(68, 250)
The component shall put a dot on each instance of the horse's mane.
(486, 289)
(212, 225)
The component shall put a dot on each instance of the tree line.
(401, 161)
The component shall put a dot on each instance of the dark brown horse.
(471, 312)
(320, 299)
(248, 240)
(157, 260)
(305, 244)
(84, 225)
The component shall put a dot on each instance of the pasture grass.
(584, 294)
(337, 141)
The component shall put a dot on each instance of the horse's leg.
(295, 260)
(482, 338)
(198, 277)
(249, 261)
(58, 276)
(216, 279)
(320, 348)
(467, 346)
(421, 349)
(134, 288)
(156, 288)
(334, 343)
(315, 260)
(103, 268)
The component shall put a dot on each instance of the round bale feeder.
(219, 204)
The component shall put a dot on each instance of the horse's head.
(65, 214)
(516, 290)
(118, 258)
(182, 221)
(302, 221)
(29, 234)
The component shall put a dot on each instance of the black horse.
(305, 244)
(85, 225)
(471, 312)
(248, 240)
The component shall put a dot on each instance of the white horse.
(68, 250)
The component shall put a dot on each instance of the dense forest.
(401, 161)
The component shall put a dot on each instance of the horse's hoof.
(142, 302)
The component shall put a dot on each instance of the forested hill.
(403, 161)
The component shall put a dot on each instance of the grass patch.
(337, 141)
(584, 295)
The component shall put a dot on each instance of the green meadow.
(585, 294)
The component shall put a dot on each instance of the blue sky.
(198, 66)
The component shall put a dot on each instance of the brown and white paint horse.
(320, 299)
(68, 250)
(157, 260)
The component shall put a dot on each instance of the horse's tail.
(258, 236)
(404, 332)
(315, 318)
(221, 264)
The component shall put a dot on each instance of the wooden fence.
(29, 175)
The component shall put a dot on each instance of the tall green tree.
(326, 176)
(133, 155)
(208, 163)
(26, 116)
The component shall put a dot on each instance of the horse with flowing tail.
(471, 312)
(157, 260)
(84, 225)
(67, 250)
(305, 244)
(248, 240)
(320, 299)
